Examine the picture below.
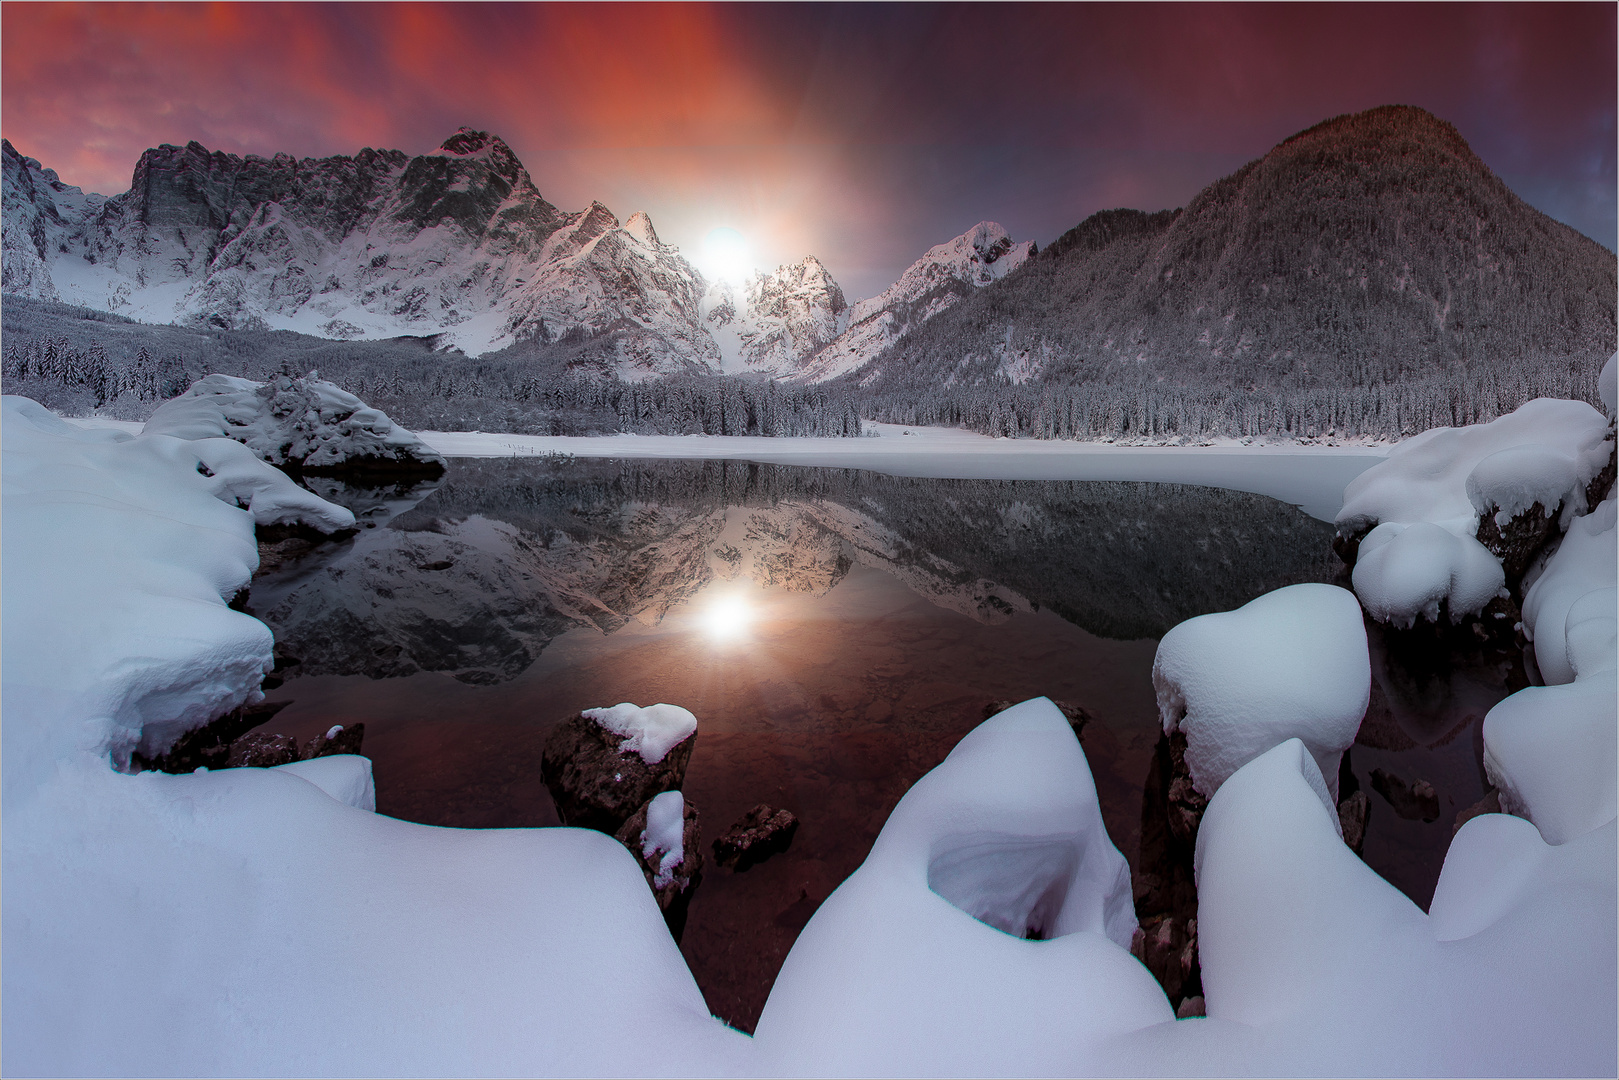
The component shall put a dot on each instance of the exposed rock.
(1490, 804)
(1192, 1006)
(1077, 715)
(1186, 803)
(1167, 945)
(209, 746)
(597, 787)
(757, 835)
(675, 895)
(1518, 541)
(337, 740)
(1165, 887)
(262, 750)
(1417, 801)
(1352, 815)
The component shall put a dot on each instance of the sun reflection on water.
(727, 617)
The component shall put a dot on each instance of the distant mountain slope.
(1368, 250)
(457, 241)
(948, 272)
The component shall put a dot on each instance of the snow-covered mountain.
(936, 281)
(771, 323)
(456, 242)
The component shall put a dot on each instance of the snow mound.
(1513, 480)
(1404, 572)
(651, 732)
(1425, 477)
(1305, 950)
(303, 424)
(665, 829)
(1292, 664)
(1585, 563)
(918, 964)
(345, 777)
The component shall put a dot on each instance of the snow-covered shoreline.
(1311, 476)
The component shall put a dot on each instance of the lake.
(835, 631)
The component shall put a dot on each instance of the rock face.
(455, 242)
(757, 835)
(209, 746)
(337, 740)
(1414, 801)
(1352, 815)
(1374, 235)
(596, 787)
(772, 323)
(1165, 886)
(674, 895)
(262, 750)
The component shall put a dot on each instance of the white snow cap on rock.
(665, 832)
(304, 422)
(1404, 572)
(1510, 481)
(1425, 477)
(345, 777)
(1290, 664)
(651, 732)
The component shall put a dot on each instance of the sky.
(860, 134)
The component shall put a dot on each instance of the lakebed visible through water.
(835, 632)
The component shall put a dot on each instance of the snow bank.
(1404, 572)
(665, 828)
(918, 965)
(1292, 664)
(651, 732)
(261, 921)
(118, 554)
(302, 423)
(1425, 478)
(1553, 751)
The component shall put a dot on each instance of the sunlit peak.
(727, 617)
(725, 256)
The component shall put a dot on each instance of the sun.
(728, 617)
(725, 256)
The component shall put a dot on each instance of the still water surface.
(835, 632)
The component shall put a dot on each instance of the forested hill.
(1372, 250)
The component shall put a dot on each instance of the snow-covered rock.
(933, 283)
(1425, 478)
(345, 777)
(1405, 572)
(923, 961)
(305, 424)
(456, 242)
(771, 323)
(1292, 664)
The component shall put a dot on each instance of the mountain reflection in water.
(881, 615)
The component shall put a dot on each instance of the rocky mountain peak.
(640, 226)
